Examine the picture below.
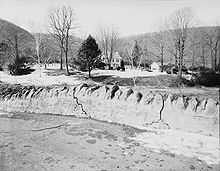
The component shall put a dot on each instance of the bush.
(199, 69)
(207, 78)
(78, 65)
(101, 65)
(171, 68)
(122, 65)
(168, 68)
(145, 65)
(19, 67)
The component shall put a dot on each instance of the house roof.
(156, 63)
(116, 55)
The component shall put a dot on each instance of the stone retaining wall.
(116, 104)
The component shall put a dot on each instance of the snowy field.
(128, 73)
(192, 145)
(40, 76)
(203, 147)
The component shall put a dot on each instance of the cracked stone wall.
(116, 104)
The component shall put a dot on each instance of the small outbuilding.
(155, 66)
(116, 60)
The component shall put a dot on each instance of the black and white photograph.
(109, 85)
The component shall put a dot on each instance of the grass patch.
(160, 81)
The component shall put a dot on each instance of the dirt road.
(58, 143)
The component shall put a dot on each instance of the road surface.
(39, 142)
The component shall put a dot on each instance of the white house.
(116, 60)
(155, 66)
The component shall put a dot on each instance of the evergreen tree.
(122, 65)
(136, 54)
(89, 55)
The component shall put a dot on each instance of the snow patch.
(205, 148)
(128, 73)
(38, 78)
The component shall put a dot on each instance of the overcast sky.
(128, 16)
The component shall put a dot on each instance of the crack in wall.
(160, 121)
(158, 116)
(79, 104)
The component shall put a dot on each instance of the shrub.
(171, 68)
(168, 68)
(199, 69)
(122, 65)
(145, 65)
(207, 78)
(101, 65)
(19, 67)
(89, 54)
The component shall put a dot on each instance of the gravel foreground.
(48, 142)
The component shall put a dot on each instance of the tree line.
(180, 43)
(177, 42)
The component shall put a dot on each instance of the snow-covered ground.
(129, 73)
(203, 147)
(188, 144)
(40, 76)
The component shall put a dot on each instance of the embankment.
(116, 104)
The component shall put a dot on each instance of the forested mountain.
(201, 46)
(16, 39)
(49, 48)
(12, 35)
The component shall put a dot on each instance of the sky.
(128, 17)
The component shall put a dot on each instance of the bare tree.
(14, 40)
(45, 50)
(108, 39)
(180, 21)
(194, 45)
(38, 38)
(135, 58)
(213, 41)
(61, 24)
(37, 34)
(203, 46)
(159, 42)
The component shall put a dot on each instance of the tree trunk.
(134, 81)
(176, 54)
(212, 59)
(89, 72)
(16, 54)
(67, 68)
(203, 57)
(16, 47)
(176, 60)
(180, 66)
(193, 57)
(181, 53)
(162, 58)
(215, 60)
(66, 60)
(215, 55)
(218, 67)
(66, 54)
(61, 59)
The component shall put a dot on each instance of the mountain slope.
(12, 35)
(8, 30)
(196, 44)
